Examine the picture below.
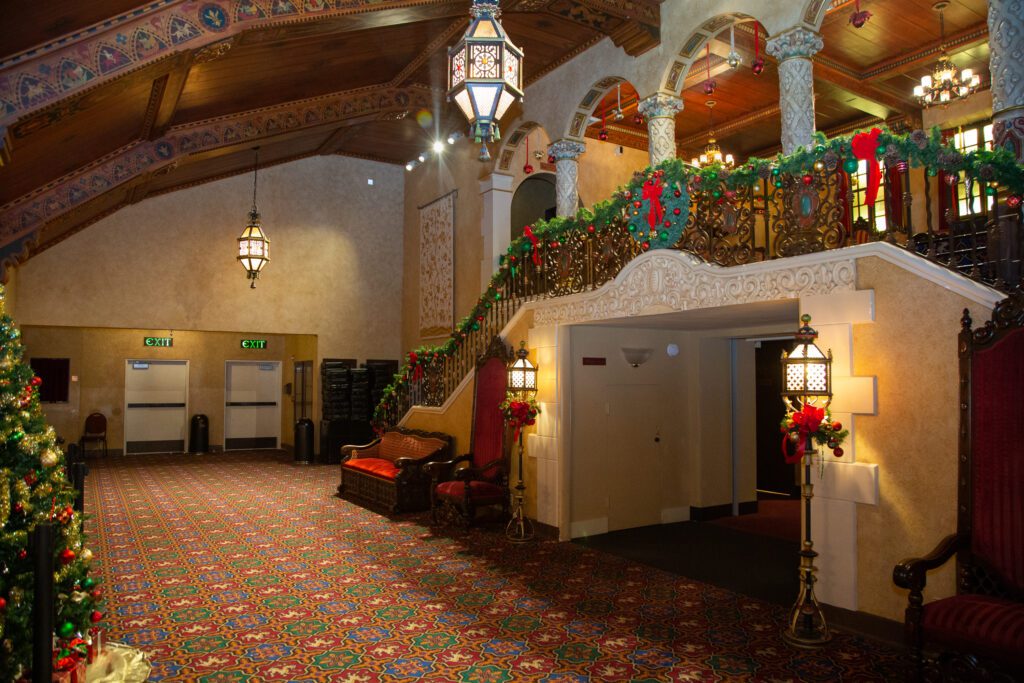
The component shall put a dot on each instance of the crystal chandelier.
(712, 153)
(945, 84)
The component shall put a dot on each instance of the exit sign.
(158, 341)
(254, 343)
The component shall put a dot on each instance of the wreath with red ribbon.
(657, 212)
(816, 423)
(520, 414)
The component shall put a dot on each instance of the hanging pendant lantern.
(253, 245)
(485, 73)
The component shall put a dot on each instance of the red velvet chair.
(979, 632)
(478, 478)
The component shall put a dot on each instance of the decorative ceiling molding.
(52, 72)
(26, 215)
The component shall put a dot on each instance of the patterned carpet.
(247, 568)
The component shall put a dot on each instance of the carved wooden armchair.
(480, 477)
(980, 630)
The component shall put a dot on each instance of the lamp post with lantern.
(522, 388)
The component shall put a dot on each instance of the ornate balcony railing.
(767, 209)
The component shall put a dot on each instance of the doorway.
(775, 478)
(302, 396)
(156, 406)
(252, 407)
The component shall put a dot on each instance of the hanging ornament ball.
(757, 66)
(637, 204)
(677, 193)
(837, 451)
(1013, 201)
(819, 166)
(676, 211)
(837, 426)
(527, 169)
(778, 183)
(19, 508)
(832, 443)
(31, 478)
(880, 150)
(646, 245)
(551, 158)
(3, 604)
(67, 556)
(807, 179)
(819, 149)
(96, 616)
(67, 629)
(952, 179)
(590, 229)
(48, 459)
(776, 171)
(96, 593)
(22, 554)
(730, 194)
(476, 326)
(716, 194)
(663, 235)
(850, 165)
(628, 195)
(35, 381)
(602, 135)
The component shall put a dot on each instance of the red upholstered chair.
(482, 479)
(979, 632)
(95, 431)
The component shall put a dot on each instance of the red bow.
(807, 421)
(652, 192)
(417, 369)
(865, 146)
(520, 414)
(533, 241)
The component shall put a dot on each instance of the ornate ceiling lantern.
(253, 245)
(485, 73)
(944, 84)
(712, 153)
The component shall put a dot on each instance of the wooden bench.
(388, 471)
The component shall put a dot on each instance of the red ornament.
(3, 604)
(551, 158)
(67, 556)
(837, 426)
(807, 179)
(646, 245)
(96, 593)
(676, 211)
(22, 554)
(667, 224)
(637, 204)
(590, 228)
(757, 66)
(677, 193)
(859, 18)
(838, 451)
(602, 135)
(527, 168)
(1013, 201)
(638, 119)
(35, 381)
(30, 478)
(19, 508)
(96, 616)
(628, 195)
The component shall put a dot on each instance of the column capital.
(566, 149)
(497, 181)
(796, 42)
(660, 105)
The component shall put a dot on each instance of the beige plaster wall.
(168, 262)
(98, 355)
(911, 349)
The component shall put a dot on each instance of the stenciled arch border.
(580, 118)
(690, 52)
(511, 144)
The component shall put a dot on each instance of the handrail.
(766, 209)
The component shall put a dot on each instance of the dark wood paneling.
(30, 23)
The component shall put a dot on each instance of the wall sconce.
(636, 357)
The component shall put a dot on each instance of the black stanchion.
(41, 543)
(78, 472)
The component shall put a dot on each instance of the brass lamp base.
(806, 625)
(520, 528)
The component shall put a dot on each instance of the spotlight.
(409, 166)
(451, 139)
(421, 158)
(438, 147)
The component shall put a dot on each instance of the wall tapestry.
(437, 267)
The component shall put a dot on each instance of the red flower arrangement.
(815, 423)
(520, 414)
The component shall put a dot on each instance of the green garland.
(916, 149)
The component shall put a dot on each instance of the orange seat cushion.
(978, 624)
(479, 491)
(378, 467)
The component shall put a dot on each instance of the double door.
(252, 404)
(156, 406)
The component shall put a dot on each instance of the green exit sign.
(254, 343)
(158, 341)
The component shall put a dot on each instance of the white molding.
(589, 527)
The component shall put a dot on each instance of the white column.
(1006, 69)
(495, 222)
(567, 192)
(793, 49)
(660, 112)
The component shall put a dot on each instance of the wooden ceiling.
(328, 77)
(366, 79)
(862, 76)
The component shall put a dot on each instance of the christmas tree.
(34, 488)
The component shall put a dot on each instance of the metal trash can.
(304, 441)
(199, 434)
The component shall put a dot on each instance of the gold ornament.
(86, 555)
(49, 458)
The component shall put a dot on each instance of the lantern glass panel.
(484, 29)
(484, 97)
(511, 68)
(504, 102)
(465, 103)
(458, 68)
(484, 61)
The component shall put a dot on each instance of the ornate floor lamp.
(522, 388)
(807, 382)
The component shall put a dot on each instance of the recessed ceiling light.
(438, 146)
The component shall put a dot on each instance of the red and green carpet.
(229, 568)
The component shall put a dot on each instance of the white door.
(252, 404)
(156, 406)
